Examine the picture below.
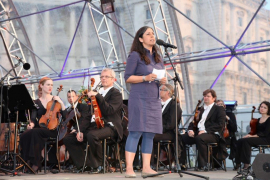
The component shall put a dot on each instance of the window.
(148, 14)
(244, 98)
(188, 12)
(240, 21)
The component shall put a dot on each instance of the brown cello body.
(253, 123)
(50, 118)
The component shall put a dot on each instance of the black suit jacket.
(168, 116)
(84, 120)
(214, 124)
(214, 121)
(111, 109)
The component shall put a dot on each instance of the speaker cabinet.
(261, 166)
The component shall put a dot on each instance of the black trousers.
(201, 142)
(76, 150)
(94, 138)
(243, 148)
(32, 142)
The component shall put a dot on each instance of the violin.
(96, 110)
(50, 119)
(253, 123)
(65, 126)
(226, 132)
(196, 116)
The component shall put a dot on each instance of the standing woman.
(32, 141)
(243, 146)
(144, 106)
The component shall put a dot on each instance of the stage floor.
(216, 175)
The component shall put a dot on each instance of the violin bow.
(75, 114)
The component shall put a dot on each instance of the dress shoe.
(244, 171)
(96, 170)
(146, 174)
(130, 175)
(204, 168)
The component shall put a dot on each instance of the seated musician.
(74, 140)
(110, 102)
(168, 114)
(32, 141)
(208, 130)
(262, 137)
(232, 127)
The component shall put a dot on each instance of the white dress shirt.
(103, 93)
(164, 104)
(204, 116)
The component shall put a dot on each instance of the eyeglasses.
(220, 104)
(106, 77)
(163, 89)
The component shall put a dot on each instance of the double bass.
(253, 123)
(50, 119)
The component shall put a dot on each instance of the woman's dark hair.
(268, 106)
(138, 47)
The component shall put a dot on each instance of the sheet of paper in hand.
(159, 72)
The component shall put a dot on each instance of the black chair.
(211, 158)
(262, 148)
(50, 142)
(188, 156)
(166, 144)
(116, 150)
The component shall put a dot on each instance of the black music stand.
(18, 99)
(3, 104)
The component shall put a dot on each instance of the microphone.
(26, 66)
(166, 45)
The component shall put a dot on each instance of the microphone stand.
(177, 79)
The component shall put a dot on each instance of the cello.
(253, 123)
(50, 119)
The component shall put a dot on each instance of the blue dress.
(144, 106)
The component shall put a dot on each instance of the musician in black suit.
(74, 140)
(110, 102)
(209, 129)
(168, 115)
